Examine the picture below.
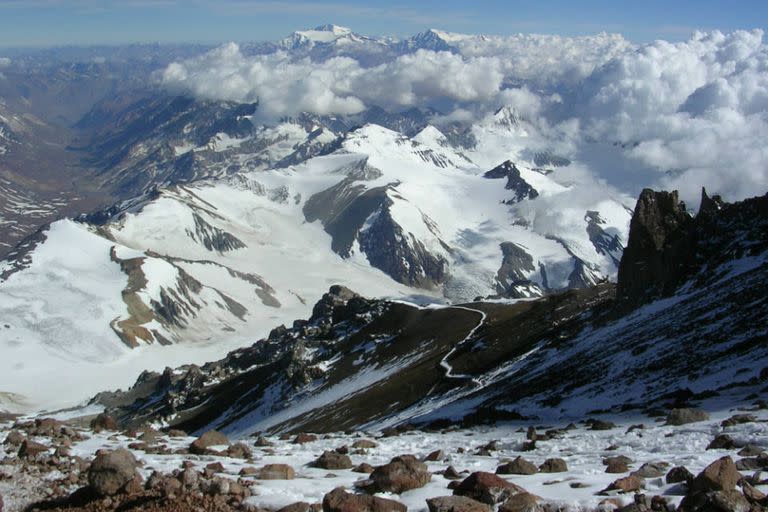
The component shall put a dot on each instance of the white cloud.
(5, 62)
(667, 115)
(695, 111)
(480, 76)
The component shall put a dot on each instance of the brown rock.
(363, 468)
(189, 478)
(752, 463)
(753, 495)
(31, 449)
(715, 501)
(451, 474)
(751, 450)
(176, 433)
(277, 472)
(332, 460)
(600, 425)
(487, 488)
(304, 438)
(301, 506)
(738, 419)
(111, 471)
(686, 415)
(721, 475)
(263, 442)
(47, 426)
(553, 465)
(14, 438)
(650, 470)
(519, 466)
(523, 502)
(627, 484)
(216, 467)
(201, 445)
(456, 504)
(434, 456)
(172, 487)
(340, 500)
(722, 442)
(248, 471)
(239, 451)
(616, 465)
(679, 474)
(103, 422)
(364, 444)
(402, 474)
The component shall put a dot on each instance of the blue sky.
(57, 22)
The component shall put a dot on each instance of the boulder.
(402, 474)
(553, 465)
(456, 504)
(111, 471)
(201, 445)
(31, 449)
(301, 506)
(721, 475)
(333, 460)
(363, 467)
(619, 464)
(738, 419)
(686, 415)
(679, 474)
(722, 442)
(304, 438)
(753, 495)
(103, 422)
(523, 502)
(239, 451)
(487, 488)
(340, 500)
(715, 501)
(189, 478)
(600, 425)
(364, 444)
(14, 438)
(277, 472)
(519, 466)
(752, 463)
(434, 456)
(751, 450)
(650, 470)
(627, 484)
(450, 473)
(263, 442)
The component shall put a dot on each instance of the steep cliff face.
(667, 245)
(660, 248)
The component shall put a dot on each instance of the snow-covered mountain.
(364, 363)
(216, 262)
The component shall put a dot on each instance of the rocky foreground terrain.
(679, 459)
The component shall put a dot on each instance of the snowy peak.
(433, 40)
(323, 35)
(508, 117)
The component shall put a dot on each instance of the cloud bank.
(668, 115)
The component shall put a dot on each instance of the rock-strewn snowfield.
(652, 447)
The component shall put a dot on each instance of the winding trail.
(444, 362)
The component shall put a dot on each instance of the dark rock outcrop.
(660, 249)
(515, 182)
